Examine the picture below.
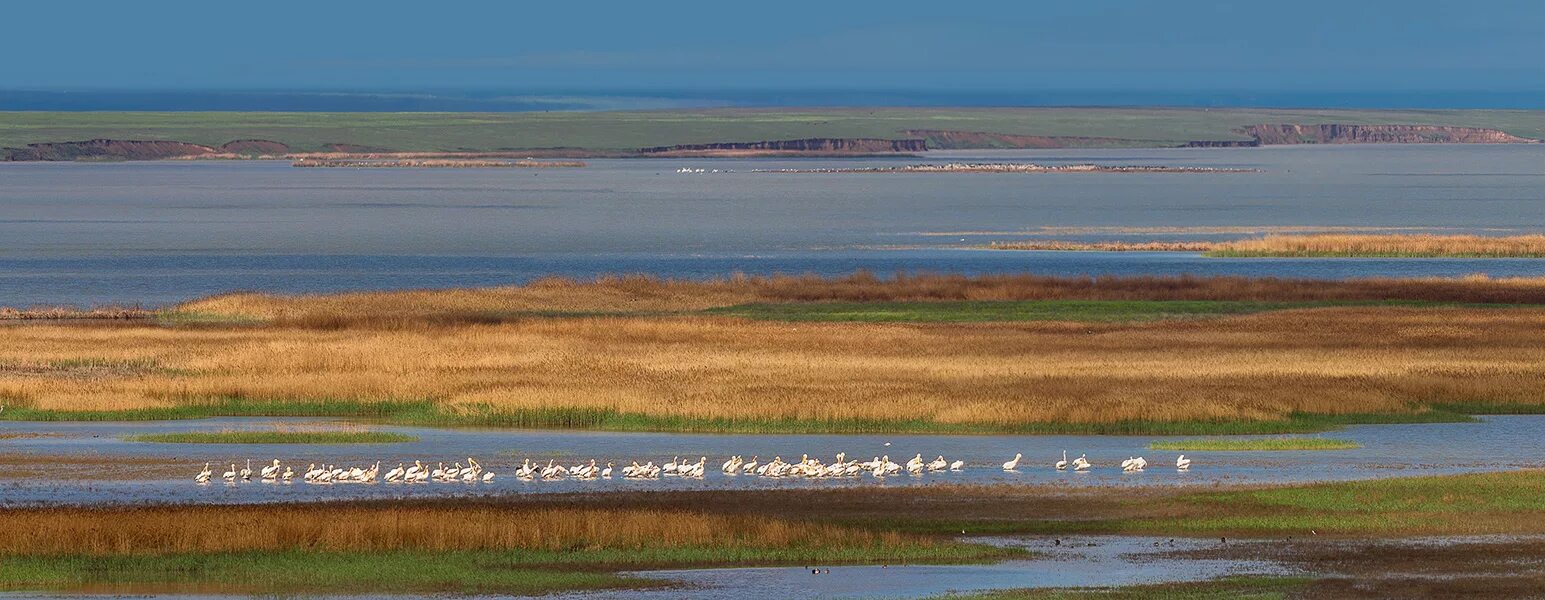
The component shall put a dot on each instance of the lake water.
(161, 232)
(154, 472)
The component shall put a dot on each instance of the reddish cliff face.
(100, 148)
(947, 139)
(1333, 133)
(833, 145)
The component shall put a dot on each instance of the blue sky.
(1475, 45)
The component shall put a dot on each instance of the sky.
(1341, 45)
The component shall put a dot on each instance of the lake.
(161, 232)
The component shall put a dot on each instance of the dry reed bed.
(645, 294)
(1418, 245)
(1259, 367)
(375, 527)
(1107, 246)
(65, 313)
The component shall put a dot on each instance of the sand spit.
(1013, 168)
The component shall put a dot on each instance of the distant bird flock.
(806, 467)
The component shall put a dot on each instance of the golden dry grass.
(377, 527)
(1263, 366)
(639, 294)
(1405, 245)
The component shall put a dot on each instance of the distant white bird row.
(807, 467)
(1082, 464)
(328, 474)
(841, 466)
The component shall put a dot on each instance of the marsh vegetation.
(985, 354)
(460, 547)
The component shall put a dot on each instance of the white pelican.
(396, 475)
(1081, 463)
(938, 464)
(203, 476)
(607, 472)
(750, 467)
(289, 474)
(1013, 464)
(230, 475)
(246, 474)
(271, 472)
(1183, 463)
(1063, 464)
(957, 465)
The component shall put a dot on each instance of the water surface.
(160, 232)
(154, 472)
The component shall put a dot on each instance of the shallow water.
(152, 472)
(1091, 561)
(158, 233)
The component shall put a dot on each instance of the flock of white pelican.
(806, 467)
(329, 474)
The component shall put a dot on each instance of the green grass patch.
(1471, 504)
(1227, 588)
(420, 572)
(299, 573)
(1458, 494)
(274, 437)
(1255, 445)
(1491, 408)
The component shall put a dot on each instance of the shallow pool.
(91, 463)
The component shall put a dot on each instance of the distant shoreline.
(1325, 245)
(739, 133)
(433, 164)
